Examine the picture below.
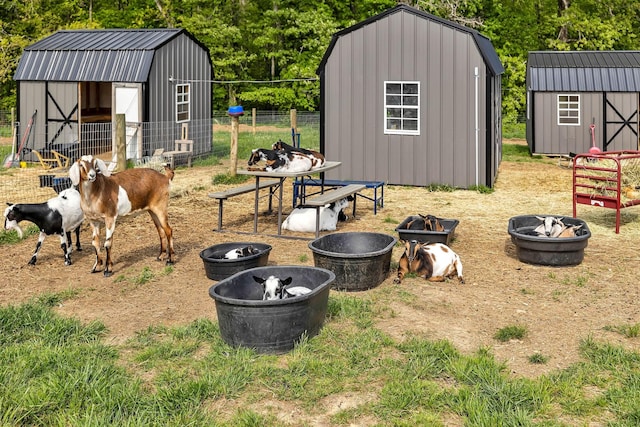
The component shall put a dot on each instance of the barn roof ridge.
(484, 43)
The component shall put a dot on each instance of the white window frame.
(568, 109)
(183, 102)
(407, 103)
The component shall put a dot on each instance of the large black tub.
(271, 326)
(423, 236)
(543, 250)
(217, 267)
(360, 261)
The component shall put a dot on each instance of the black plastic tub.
(271, 326)
(46, 180)
(360, 261)
(424, 236)
(543, 250)
(217, 267)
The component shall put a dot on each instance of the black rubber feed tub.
(423, 236)
(217, 267)
(543, 250)
(271, 326)
(359, 260)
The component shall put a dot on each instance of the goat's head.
(432, 223)
(280, 145)
(272, 286)
(412, 249)
(551, 226)
(11, 218)
(255, 157)
(87, 168)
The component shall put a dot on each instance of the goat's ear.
(102, 167)
(287, 281)
(74, 173)
(258, 279)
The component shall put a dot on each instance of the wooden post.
(293, 114)
(233, 155)
(121, 143)
(253, 120)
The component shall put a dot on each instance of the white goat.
(104, 197)
(59, 215)
(241, 252)
(304, 219)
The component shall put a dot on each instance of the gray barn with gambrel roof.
(78, 77)
(412, 99)
(576, 99)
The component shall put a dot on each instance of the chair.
(50, 162)
(183, 149)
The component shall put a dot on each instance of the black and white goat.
(275, 288)
(240, 252)
(282, 161)
(304, 219)
(424, 222)
(281, 145)
(433, 261)
(104, 197)
(59, 215)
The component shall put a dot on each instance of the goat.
(104, 197)
(272, 287)
(424, 222)
(434, 261)
(551, 226)
(281, 145)
(281, 161)
(241, 252)
(569, 231)
(59, 215)
(304, 219)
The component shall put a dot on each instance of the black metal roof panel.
(93, 55)
(485, 46)
(584, 71)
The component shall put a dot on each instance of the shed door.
(621, 121)
(61, 114)
(126, 100)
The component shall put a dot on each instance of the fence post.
(253, 120)
(121, 143)
(293, 114)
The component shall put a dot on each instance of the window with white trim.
(402, 108)
(183, 102)
(568, 110)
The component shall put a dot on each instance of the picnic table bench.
(221, 196)
(331, 196)
(300, 191)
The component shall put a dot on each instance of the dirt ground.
(559, 306)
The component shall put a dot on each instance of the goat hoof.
(32, 261)
(107, 273)
(397, 281)
(68, 262)
(170, 262)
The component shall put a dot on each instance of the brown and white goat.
(104, 197)
(433, 261)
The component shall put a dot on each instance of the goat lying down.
(425, 222)
(59, 215)
(104, 197)
(282, 161)
(281, 145)
(554, 227)
(275, 288)
(304, 219)
(433, 261)
(241, 252)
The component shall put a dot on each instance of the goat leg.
(403, 268)
(78, 245)
(34, 257)
(95, 242)
(65, 244)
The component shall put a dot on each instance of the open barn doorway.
(96, 118)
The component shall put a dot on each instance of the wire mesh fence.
(41, 177)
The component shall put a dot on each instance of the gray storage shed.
(74, 80)
(412, 99)
(577, 98)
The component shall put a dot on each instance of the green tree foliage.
(272, 40)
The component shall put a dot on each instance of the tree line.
(274, 40)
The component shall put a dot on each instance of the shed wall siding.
(405, 47)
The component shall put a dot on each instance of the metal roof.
(584, 71)
(118, 55)
(485, 47)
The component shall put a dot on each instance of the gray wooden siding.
(405, 47)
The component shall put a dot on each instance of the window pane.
(410, 113)
(410, 125)
(410, 100)
(394, 100)
(394, 88)
(410, 88)
(394, 124)
(393, 113)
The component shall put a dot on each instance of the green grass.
(58, 371)
(519, 153)
(511, 332)
(309, 138)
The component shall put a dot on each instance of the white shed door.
(126, 101)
